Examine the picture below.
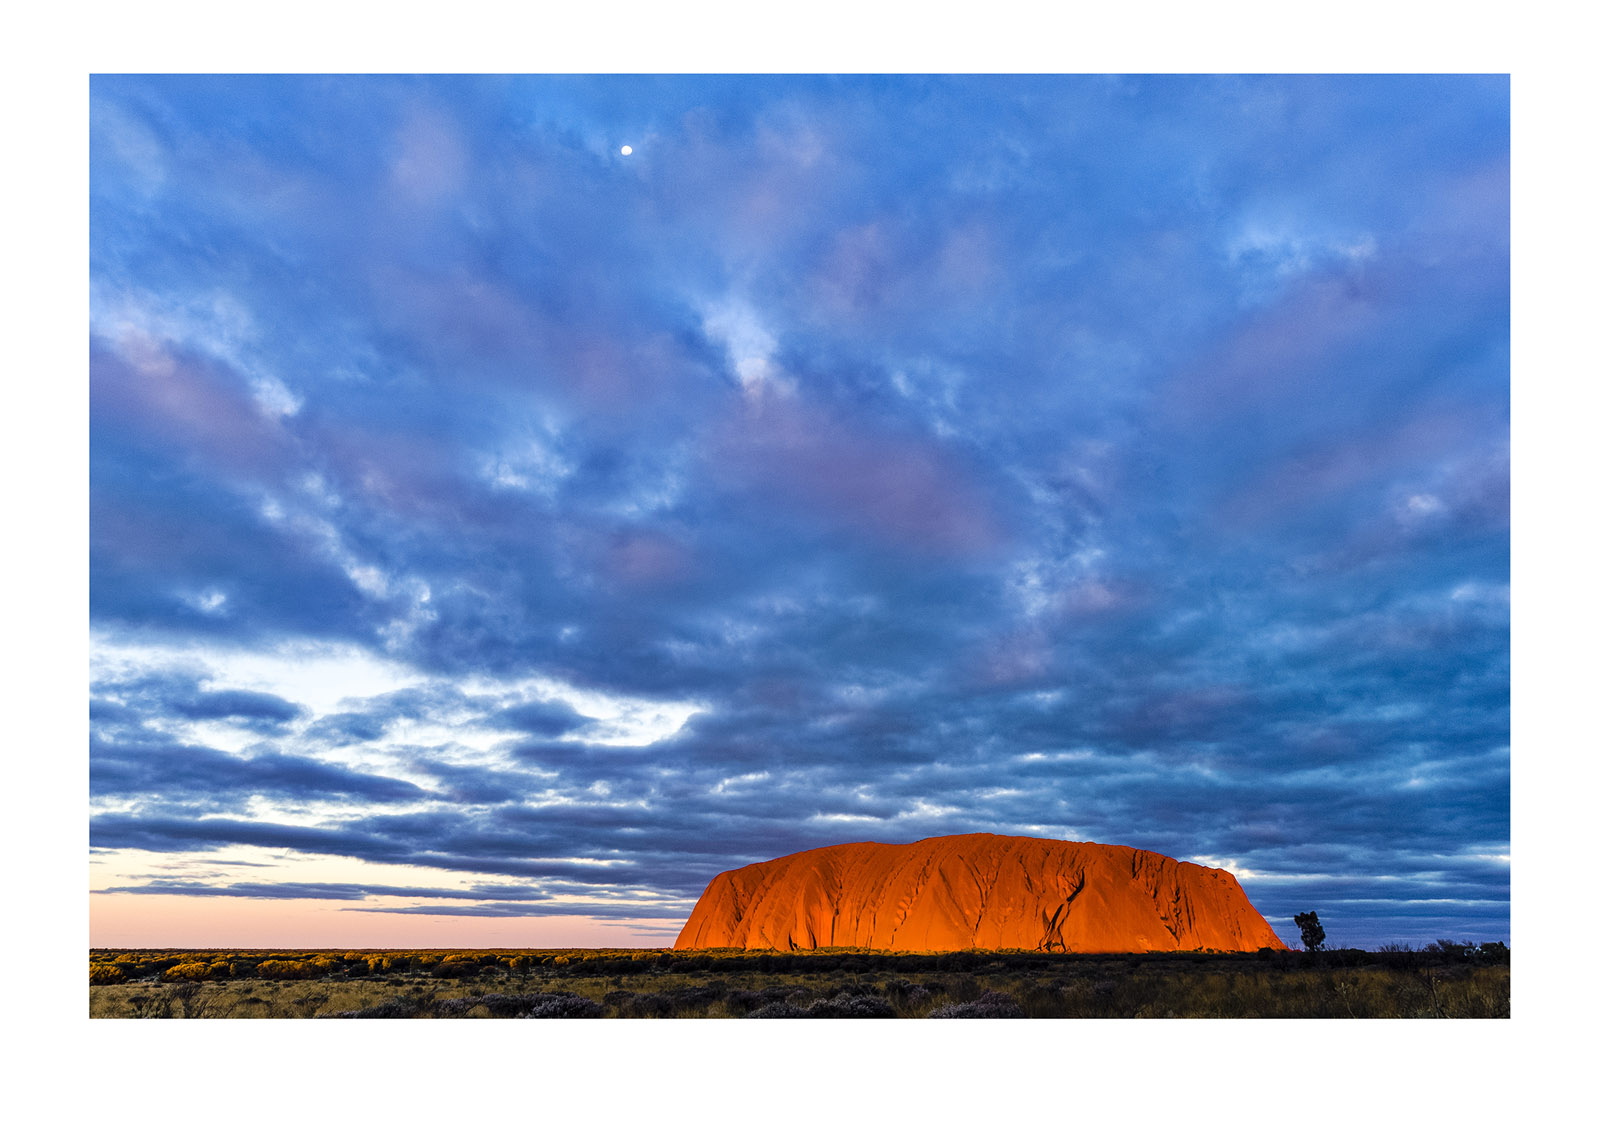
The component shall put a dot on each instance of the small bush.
(563, 1005)
(992, 1004)
(778, 1009)
(854, 1005)
(394, 1007)
(105, 974)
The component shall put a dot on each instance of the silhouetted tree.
(1311, 932)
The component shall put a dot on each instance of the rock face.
(977, 891)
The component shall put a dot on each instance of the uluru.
(977, 891)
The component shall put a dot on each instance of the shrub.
(521, 1005)
(991, 1004)
(286, 968)
(394, 1007)
(186, 972)
(856, 1005)
(778, 1009)
(907, 993)
(563, 1005)
(105, 974)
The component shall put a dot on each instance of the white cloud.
(274, 398)
(319, 675)
(846, 818)
(133, 144)
(748, 342)
(923, 808)
(740, 782)
(530, 464)
(1423, 504)
(1057, 756)
(1273, 246)
(215, 323)
(211, 601)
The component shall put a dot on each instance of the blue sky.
(493, 536)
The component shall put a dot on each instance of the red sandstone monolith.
(977, 891)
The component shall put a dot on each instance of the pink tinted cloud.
(1268, 359)
(144, 385)
(464, 316)
(646, 560)
(430, 160)
(1009, 659)
(901, 491)
(404, 473)
(1468, 494)
(458, 311)
(884, 271)
(1321, 471)
(752, 201)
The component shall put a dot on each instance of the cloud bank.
(856, 459)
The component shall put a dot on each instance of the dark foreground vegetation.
(1445, 979)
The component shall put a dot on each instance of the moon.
(627, 149)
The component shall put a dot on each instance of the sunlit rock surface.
(977, 891)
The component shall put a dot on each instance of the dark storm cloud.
(347, 728)
(1115, 458)
(173, 771)
(159, 833)
(249, 706)
(499, 892)
(174, 697)
(549, 720)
